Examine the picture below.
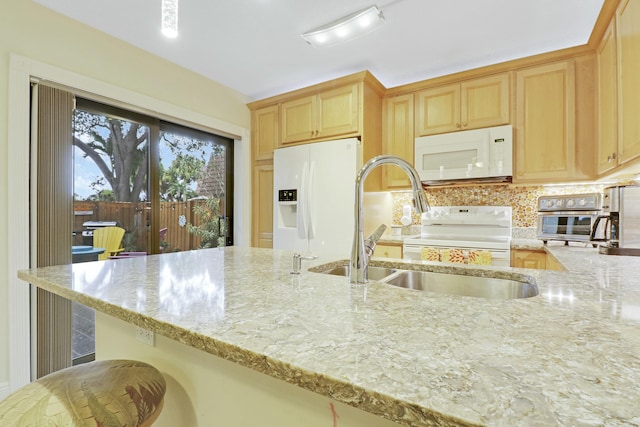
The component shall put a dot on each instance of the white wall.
(34, 32)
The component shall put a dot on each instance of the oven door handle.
(594, 228)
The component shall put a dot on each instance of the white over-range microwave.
(472, 155)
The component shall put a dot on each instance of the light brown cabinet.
(528, 259)
(536, 259)
(327, 114)
(607, 102)
(472, 104)
(265, 135)
(388, 250)
(552, 263)
(265, 132)
(628, 61)
(262, 209)
(398, 137)
(545, 122)
(618, 85)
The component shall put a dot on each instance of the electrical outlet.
(145, 336)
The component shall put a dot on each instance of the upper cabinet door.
(298, 118)
(438, 110)
(472, 104)
(398, 139)
(330, 113)
(485, 102)
(608, 102)
(265, 132)
(545, 122)
(338, 111)
(628, 17)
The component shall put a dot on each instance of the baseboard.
(4, 390)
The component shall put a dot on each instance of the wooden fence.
(135, 219)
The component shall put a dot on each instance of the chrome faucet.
(359, 255)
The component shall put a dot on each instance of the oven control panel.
(570, 202)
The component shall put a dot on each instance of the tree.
(103, 196)
(118, 148)
(175, 182)
(212, 228)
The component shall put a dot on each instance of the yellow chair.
(109, 238)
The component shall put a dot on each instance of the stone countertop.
(533, 244)
(569, 356)
(409, 232)
(536, 244)
(397, 240)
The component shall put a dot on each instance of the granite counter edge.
(398, 410)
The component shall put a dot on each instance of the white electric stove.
(468, 228)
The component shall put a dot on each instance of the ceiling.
(254, 46)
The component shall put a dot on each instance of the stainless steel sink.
(448, 283)
(375, 273)
(457, 284)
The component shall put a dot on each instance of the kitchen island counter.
(569, 356)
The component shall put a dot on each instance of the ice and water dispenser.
(287, 208)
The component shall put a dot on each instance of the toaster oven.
(568, 218)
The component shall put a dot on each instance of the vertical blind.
(54, 216)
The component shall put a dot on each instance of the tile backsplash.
(523, 200)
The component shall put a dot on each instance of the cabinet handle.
(464, 124)
(614, 156)
(458, 125)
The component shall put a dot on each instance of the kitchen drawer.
(384, 250)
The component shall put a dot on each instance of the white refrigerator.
(314, 195)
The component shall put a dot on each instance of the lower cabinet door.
(388, 251)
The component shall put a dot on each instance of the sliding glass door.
(111, 174)
(168, 186)
(195, 185)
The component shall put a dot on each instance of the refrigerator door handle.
(302, 202)
(310, 199)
